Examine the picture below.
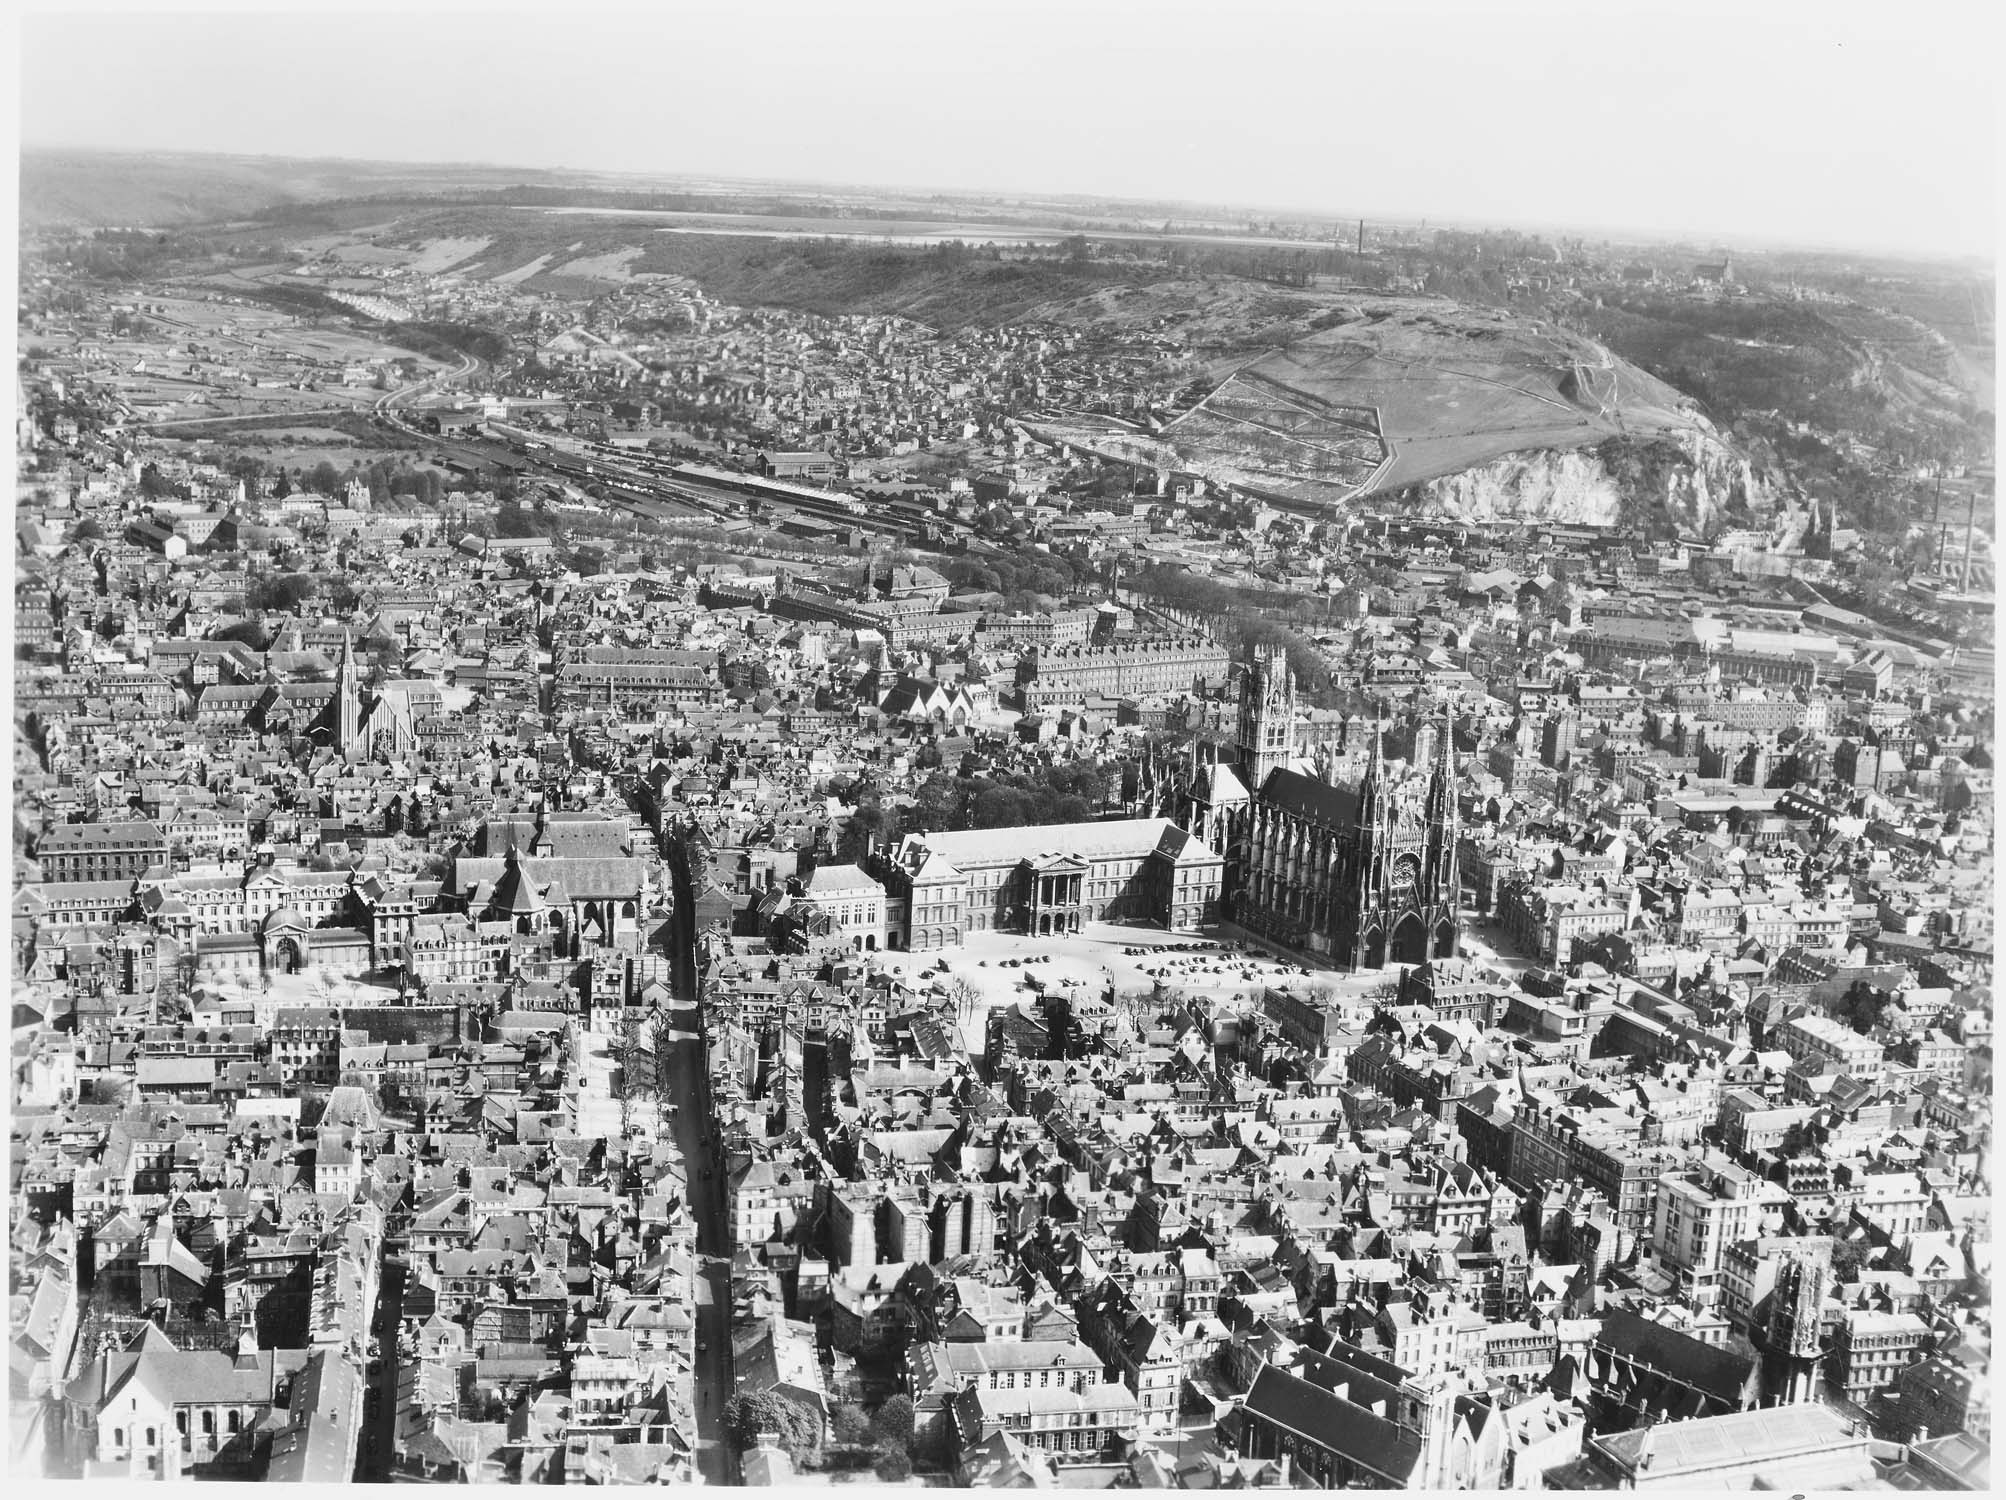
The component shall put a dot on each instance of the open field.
(281, 448)
(610, 265)
(279, 335)
(522, 272)
(311, 247)
(219, 369)
(442, 255)
(1455, 387)
(303, 436)
(213, 319)
(367, 254)
(1396, 391)
(425, 257)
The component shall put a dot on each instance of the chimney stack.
(1970, 522)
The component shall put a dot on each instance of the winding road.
(386, 405)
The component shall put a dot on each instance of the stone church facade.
(1358, 875)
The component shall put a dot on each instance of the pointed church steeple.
(1444, 876)
(1371, 793)
(1442, 781)
(347, 702)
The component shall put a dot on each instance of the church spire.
(1442, 781)
(347, 702)
(1445, 879)
(1370, 790)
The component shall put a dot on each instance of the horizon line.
(1711, 239)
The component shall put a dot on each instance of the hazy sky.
(1830, 123)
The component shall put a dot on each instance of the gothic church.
(356, 724)
(1357, 875)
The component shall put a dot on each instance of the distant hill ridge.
(77, 188)
(1309, 395)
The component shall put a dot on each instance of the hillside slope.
(1453, 387)
(1466, 411)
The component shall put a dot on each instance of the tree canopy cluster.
(1016, 578)
(1243, 619)
(1065, 792)
(749, 1414)
(155, 485)
(885, 1438)
(450, 340)
(281, 593)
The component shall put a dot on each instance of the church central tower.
(1267, 716)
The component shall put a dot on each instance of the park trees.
(850, 1425)
(894, 1428)
(282, 593)
(749, 1414)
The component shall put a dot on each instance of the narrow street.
(689, 1086)
(713, 1289)
(379, 1421)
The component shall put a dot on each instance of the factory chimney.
(1970, 524)
(1936, 525)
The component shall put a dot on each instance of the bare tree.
(964, 994)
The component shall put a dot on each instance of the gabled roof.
(1311, 798)
(1221, 784)
(1718, 1372)
(1330, 1422)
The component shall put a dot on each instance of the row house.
(1142, 1349)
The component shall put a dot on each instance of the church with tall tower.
(356, 723)
(1359, 874)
